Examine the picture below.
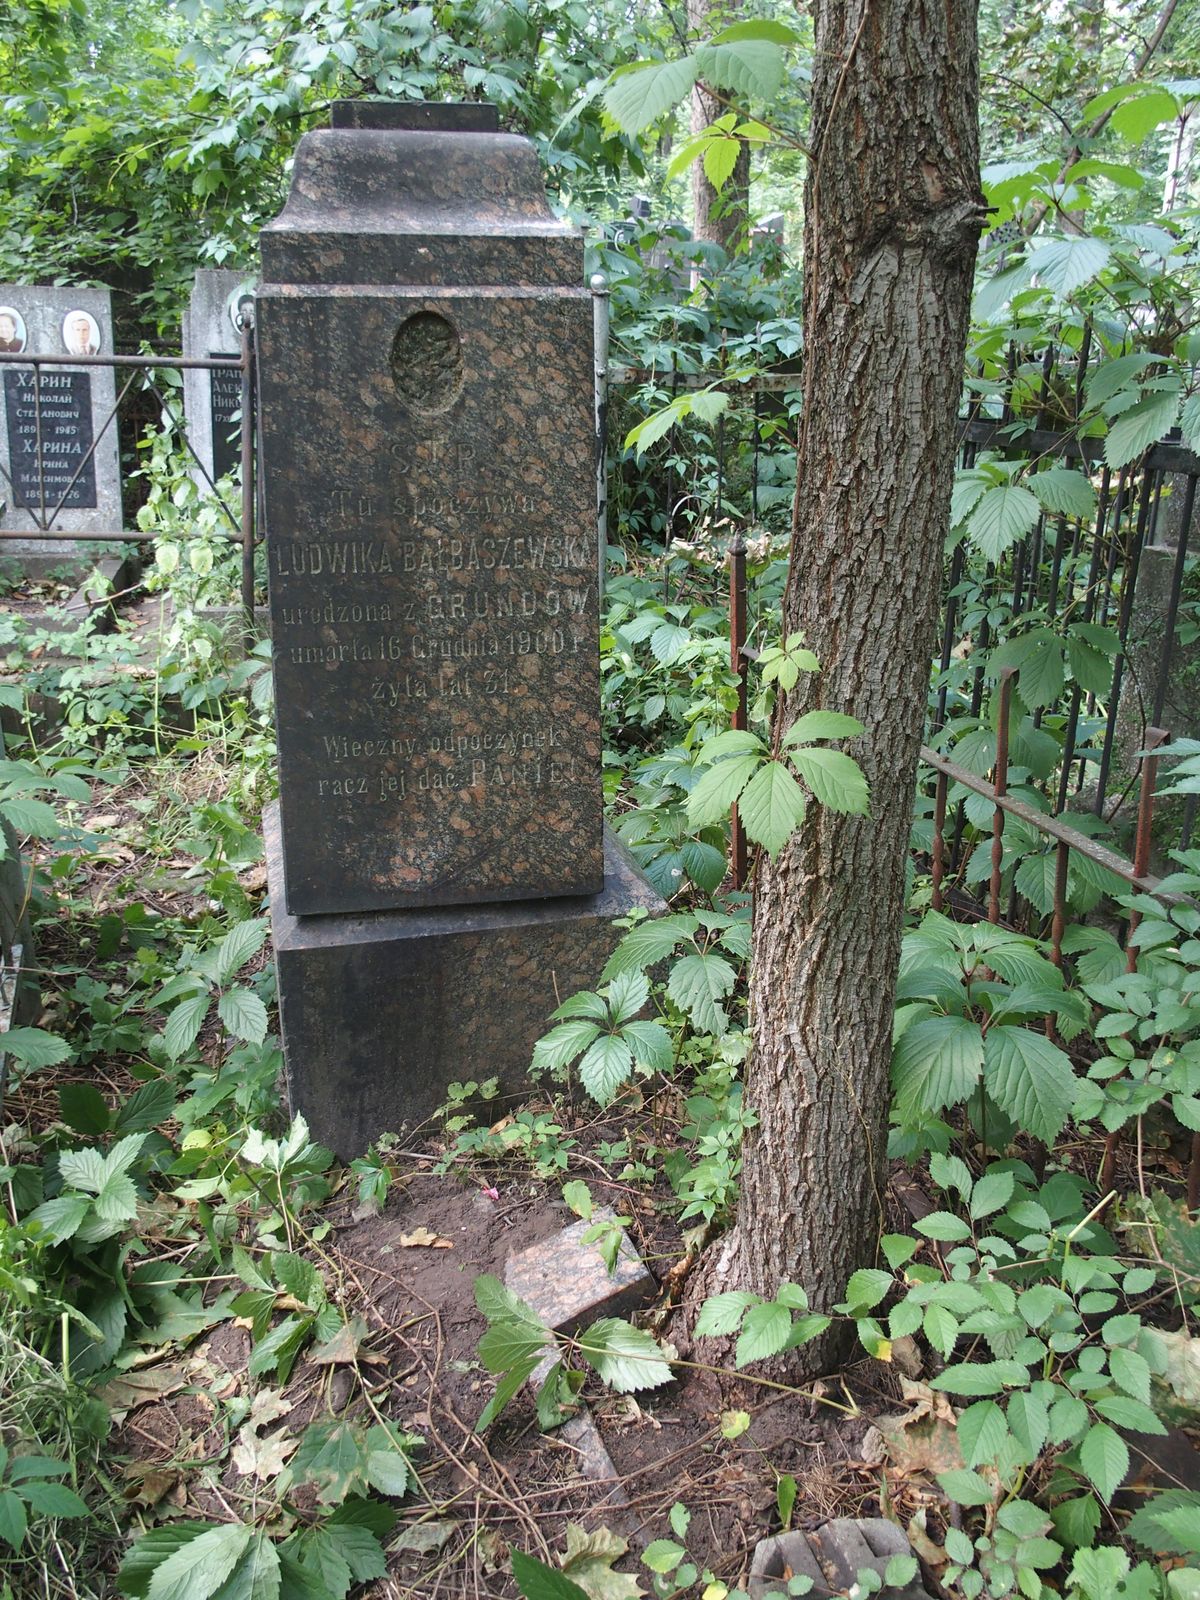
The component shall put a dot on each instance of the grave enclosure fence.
(46, 505)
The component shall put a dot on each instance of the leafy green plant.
(623, 1357)
(207, 974)
(966, 998)
(29, 1485)
(603, 1031)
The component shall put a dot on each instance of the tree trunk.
(720, 217)
(892, 217)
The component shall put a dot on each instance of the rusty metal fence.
(45, 508)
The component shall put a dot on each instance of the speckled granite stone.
(380, 1012)
(567, 1283)
(425, 371)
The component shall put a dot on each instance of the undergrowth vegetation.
(1022, 1349)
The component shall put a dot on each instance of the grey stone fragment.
(832, 1556)
(568, 1285)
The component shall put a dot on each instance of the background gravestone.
(212, 398)
(58, 484)
(439, 873)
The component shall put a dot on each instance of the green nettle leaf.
(150, 1551)
(1138, 428)
(639, 95)
(244, 1014)
(765, 1331)
(1067, 264)
(1030, 1078)
(1002, 516)
(866, 1288)
(1064, 490)
(936, 1063)
(722, 1313)
(184, 1024)
(605, 1066)
(835, 778)
(34, 1048)
(698, 984)
(719, 788)
(198, 1568)
(1104, 1457)
(558, 1048)
(752, 68)
(624, 1357)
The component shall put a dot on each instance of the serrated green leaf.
(1104, 1457)
(719, 788)
(966, 1487)
(936, 1062)
(1030, 1078)
(184, 1024)
(1002, 516)
(605, 1067)
(835, 778)
(698, 984)
(639, 95)
(982, 1431)
(772, 806)
(198, 1568)
(822, 725)
(722, 1313)
(626, 1358)
(34, 1048)
(1067, 264)
(244, 939)
(752, 68)
(558, 1048)
(244, 1014)
(765, 1330)
(1138, 428)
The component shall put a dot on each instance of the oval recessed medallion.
(427, 362)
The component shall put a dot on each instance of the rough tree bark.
(893, 211)
(720, 218)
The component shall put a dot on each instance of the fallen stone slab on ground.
(832, 1556)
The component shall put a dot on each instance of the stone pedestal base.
(381, 1011)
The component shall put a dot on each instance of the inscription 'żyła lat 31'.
(427, 448)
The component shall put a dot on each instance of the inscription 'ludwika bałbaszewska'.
(434, 613)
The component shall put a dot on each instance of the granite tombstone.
(439, 871)
(212, 396)
(59, 463)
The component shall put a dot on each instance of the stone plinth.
(381, 1012)
(212, 396)
(60, 485)
(428, 453)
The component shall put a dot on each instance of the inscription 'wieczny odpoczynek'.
(427, 447)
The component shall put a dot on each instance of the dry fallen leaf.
(423, 1237)
(133, 1389)
(148, 1482)
(263, 1458)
